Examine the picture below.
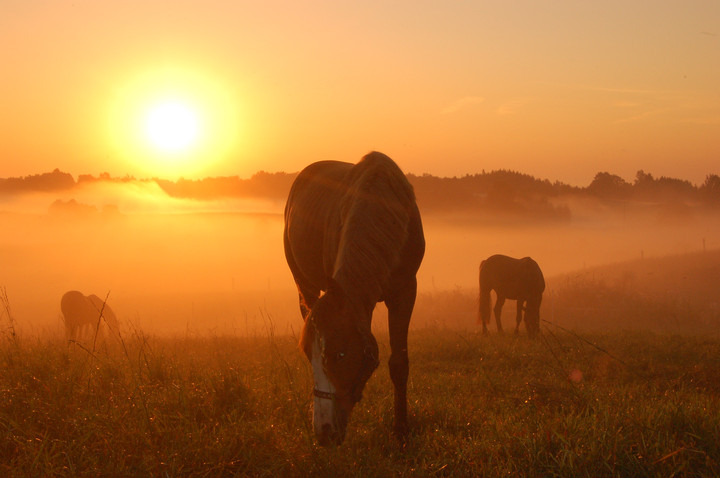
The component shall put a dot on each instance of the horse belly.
(305, 244)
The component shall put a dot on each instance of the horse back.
(310, 210)
(510, 277)
(334, 213)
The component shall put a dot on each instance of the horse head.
(344, 355)
(534, 286)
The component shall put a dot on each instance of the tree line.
(505, 191)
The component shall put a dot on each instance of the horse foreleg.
(400, 309)
(498, 311)
(519, 316)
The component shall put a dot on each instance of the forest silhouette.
(510, 193)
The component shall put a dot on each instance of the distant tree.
(501, 195)
(710, 190)
(663, 188)
(676, 188)
(643, 181)
(54, 181)
(269, 185)
(105, 177)
(261, 185)
(606, 185)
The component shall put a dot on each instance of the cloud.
(699, 120)
(637, 91)
(511, 107)
(642, 115)
(626, 104)
(462, 104)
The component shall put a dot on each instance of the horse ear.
(329, 304)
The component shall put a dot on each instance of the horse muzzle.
(329, 419)
(327, 436)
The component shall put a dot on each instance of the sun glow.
(173, 123)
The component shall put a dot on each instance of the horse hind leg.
(519, 316)
(484, 309)
(498, 311)
(400, 309)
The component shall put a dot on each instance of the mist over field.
(172, 264)
(205, 376)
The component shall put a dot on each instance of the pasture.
(623, 381)
(567, 404)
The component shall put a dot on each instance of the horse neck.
(369, 248)
(356, 307)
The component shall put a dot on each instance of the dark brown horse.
(84, 316)
(516, 279)
(353, 232)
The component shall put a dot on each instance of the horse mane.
(374, 213)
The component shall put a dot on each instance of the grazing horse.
(353, 231)
(83, 315)
(516, 279)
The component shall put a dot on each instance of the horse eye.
(338, 357)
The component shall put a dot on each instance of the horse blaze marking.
(324, 408)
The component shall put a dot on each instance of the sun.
(173, 122)
(172, 126)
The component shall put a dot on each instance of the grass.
(620, 404)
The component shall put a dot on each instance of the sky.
(558, 89)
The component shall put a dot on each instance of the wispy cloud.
(701, 120)
(626, 104)
(636, 91)
(463, 103)
(620, 90)
(674, 106)
(511, 107)
(642, 116)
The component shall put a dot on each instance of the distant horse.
(354, 232)
(515, 279)
(84, 315)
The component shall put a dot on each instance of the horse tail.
(484, 307)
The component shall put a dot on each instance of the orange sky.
(560, 89)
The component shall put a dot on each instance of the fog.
(214, 267)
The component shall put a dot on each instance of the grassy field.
(620, 404)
